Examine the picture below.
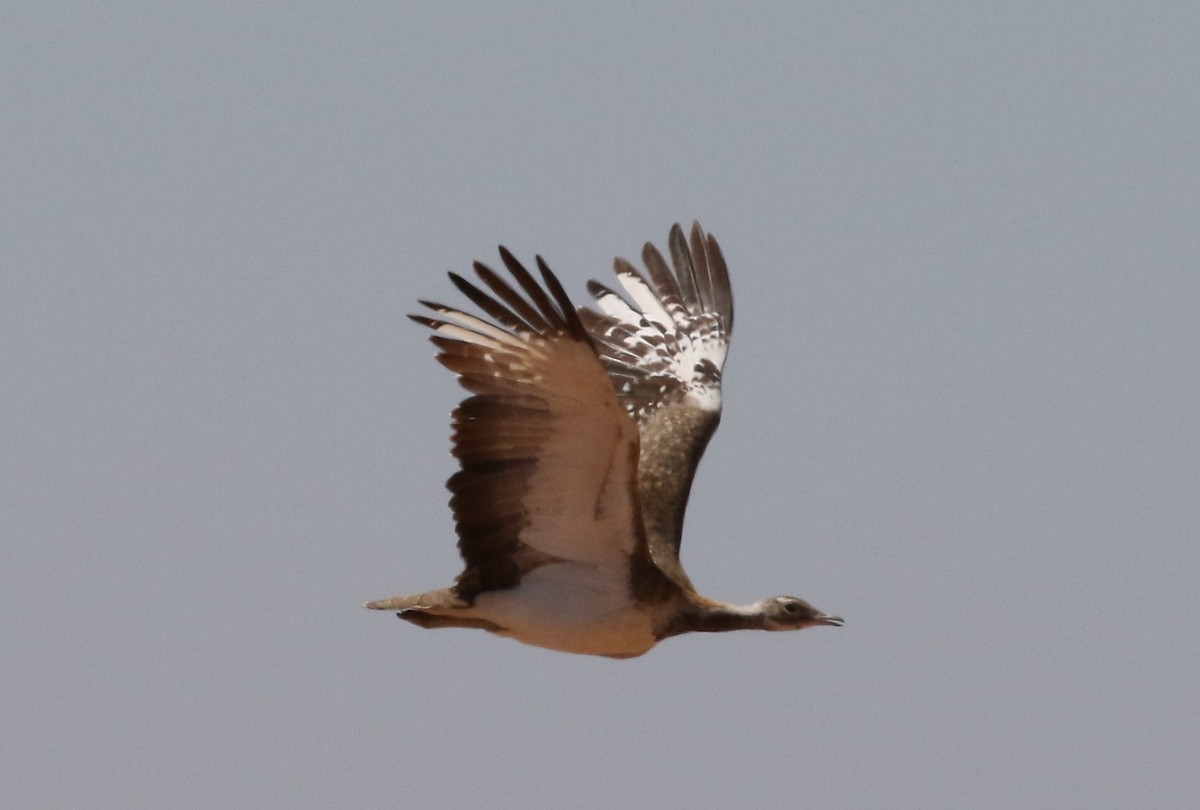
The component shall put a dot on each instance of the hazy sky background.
(961, 403)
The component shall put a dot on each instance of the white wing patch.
(666, 343)
(652, 310)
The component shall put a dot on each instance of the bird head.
(793, 613)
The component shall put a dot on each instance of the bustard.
(577, 448)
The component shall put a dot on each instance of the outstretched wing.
(664, 346)
(548, 455)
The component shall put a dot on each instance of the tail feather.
(444, 599)
(433, 609)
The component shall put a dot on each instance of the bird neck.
(718, 617)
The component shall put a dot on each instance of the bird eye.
(791, 607)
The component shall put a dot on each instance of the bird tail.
(445, 598)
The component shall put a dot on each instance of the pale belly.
(570, 607)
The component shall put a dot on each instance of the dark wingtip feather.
(464, 286)
(569, 315)
(515, 319)
(596, 289)
(508, 257)
(681, 258)
(511, 297)
(720, 273)
(534, 290)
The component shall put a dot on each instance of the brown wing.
(664, 347)
(548, 455)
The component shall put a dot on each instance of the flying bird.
(577, 447)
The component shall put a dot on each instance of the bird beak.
(832, 621)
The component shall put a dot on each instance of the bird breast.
(572, 607)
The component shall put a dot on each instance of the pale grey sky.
(961, 403)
